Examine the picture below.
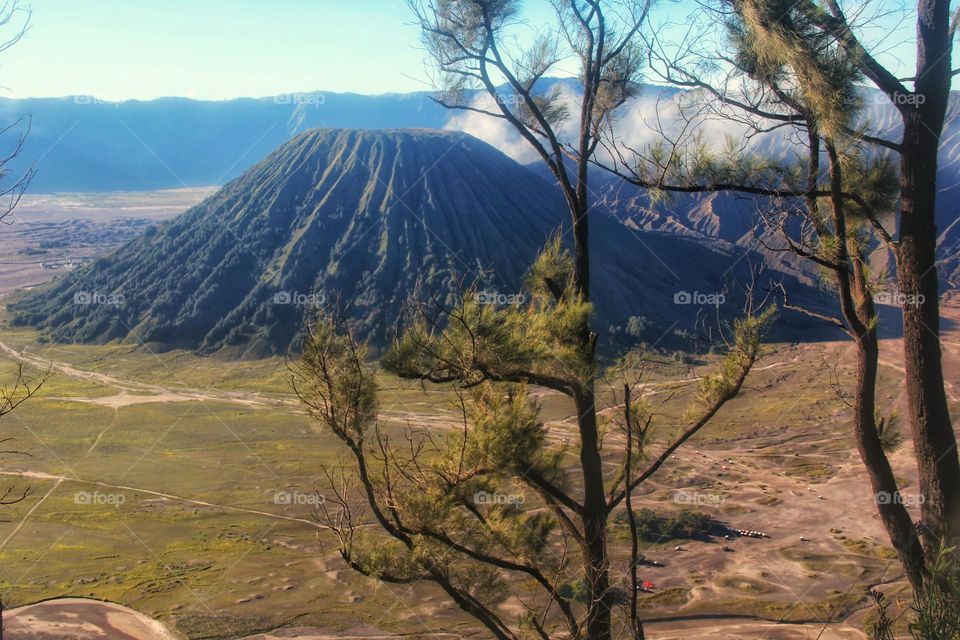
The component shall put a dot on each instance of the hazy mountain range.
(362, 218)
(377, 201)
(80, 143)
(83, 144)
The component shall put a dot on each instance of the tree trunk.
(894, 515)
(934, 441)
(935, 444)
(857, 307)
(594, 517)
(635, 625)
(581, 247)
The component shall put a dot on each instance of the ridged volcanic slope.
(360, 217)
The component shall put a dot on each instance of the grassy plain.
(154, 479)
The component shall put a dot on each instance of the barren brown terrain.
(779, 460)
(50, 234)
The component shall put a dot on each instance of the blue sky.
(214, 49)
(211, 48)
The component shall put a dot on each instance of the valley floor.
(183, 487)
(154, 483)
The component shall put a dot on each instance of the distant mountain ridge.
(364, 218)
(81, 143)
(84, 144)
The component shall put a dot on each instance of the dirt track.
(77, 618)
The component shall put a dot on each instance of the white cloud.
(640, 123)
(501, 134)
